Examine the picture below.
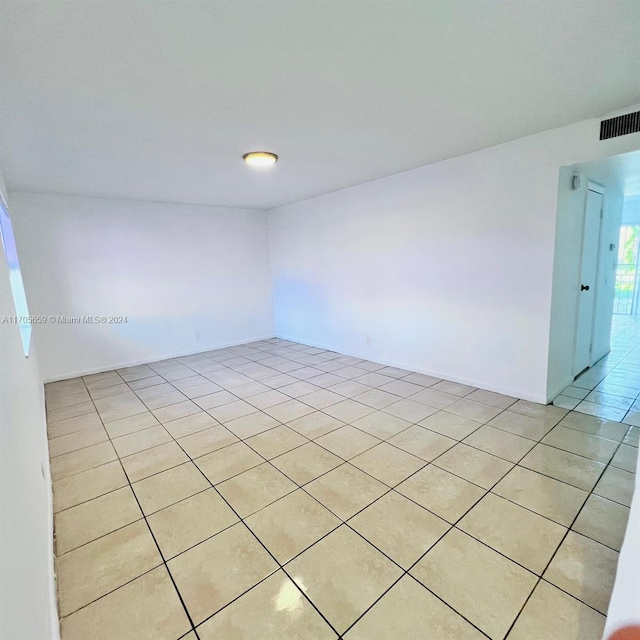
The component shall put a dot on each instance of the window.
(15, 277)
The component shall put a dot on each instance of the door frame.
(599, 189)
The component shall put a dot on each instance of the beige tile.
(150, 391)
(141, 440)
(251, 425)
(67, 400)
(486, 588)
(422, 443)
(225, 463)
(346, 490)
(164, 400)
(91, 520)
(348, 410)
(551, 614)
(626, 458)
(321, 398)
(256, 488)
(203, 442)
(190, 424)
(582, 444)
(381, 425)
(101, 380)
(450, 425)
(267, 399)
(273, 610)
(603, 521)
(275, 442)
(520, 425)
(473, 410)
(441, 492)
(617, 485)
(125, 426)
(550, 414)
(410, 612)
(87, 485)
(151, 461)
(500, 443)
(218, 570)
(73, 425)
(388, 464)
(190, 521)
(315, 424)
(121, 406)
(343, 575)
(492, 398)
(585, 569)
(71, 419)
(410, 410)
(433, 397)
(288, 411)
(159, 491)
(595, 426)
(306, 463)
(376, 398)
(216, 399)
(348, 388)
(145, 382)
(290, 525)
(548, 497)
(402, 388)
(81, 460)
(298, 389)
(78, 440)
(105, 392)
(562, 465)
(473, 465)
(454, 388)
(91, 571)
(524, 536)
(148, 607)
(399, 528)
(176, 411)
(347, 442)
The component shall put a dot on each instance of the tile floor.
(610, 388)
(278, 491)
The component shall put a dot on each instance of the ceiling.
(159, 99)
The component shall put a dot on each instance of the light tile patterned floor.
(279, 491)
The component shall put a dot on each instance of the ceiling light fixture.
(260, 158)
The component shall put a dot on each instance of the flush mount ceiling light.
(260, 158)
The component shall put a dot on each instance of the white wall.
(27, 591)
(174, 270)
(448, 268)
(631, 210)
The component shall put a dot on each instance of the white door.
(588, 280)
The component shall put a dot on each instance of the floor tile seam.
(241, 520)
(162, 558)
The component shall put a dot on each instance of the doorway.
(625, 302)
(588, 286)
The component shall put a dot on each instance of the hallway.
(611, 387)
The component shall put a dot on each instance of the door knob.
(584, 287)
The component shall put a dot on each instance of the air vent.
(620, 126)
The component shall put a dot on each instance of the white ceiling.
(159, 99)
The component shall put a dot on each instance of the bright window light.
(15, 277)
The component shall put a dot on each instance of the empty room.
(319, 319)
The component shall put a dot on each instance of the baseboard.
(135, 363)
(514, 393)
